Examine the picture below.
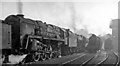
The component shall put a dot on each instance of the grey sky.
(92, 15)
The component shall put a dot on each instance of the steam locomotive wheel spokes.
(51, 55)
(36, 56)
(3, 58)
(43, 56)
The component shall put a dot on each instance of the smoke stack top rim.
(20, 15)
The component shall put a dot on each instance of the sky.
(91, 15)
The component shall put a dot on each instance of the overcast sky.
(92, 15)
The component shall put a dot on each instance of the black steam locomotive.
(94, 44)
(108, 44)
(40, 41)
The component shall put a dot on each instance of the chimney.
(20, 15)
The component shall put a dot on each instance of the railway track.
(118, 60)
(96, 60)
(112, 60)
(57, 61)
(63, 64)
(99, 59)
(91, 61)
(85, 63)
(83, 60)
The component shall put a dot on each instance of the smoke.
(19, 3)
(73, 16)
(91, 16)
(57, 13)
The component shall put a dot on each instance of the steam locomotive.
(94, 44)
(37, 39)
(108, 44)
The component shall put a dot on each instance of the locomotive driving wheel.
(43, 56)
(51, 55)
(36, 56)
(3, 58)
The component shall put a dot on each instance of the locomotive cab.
(13, 21)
